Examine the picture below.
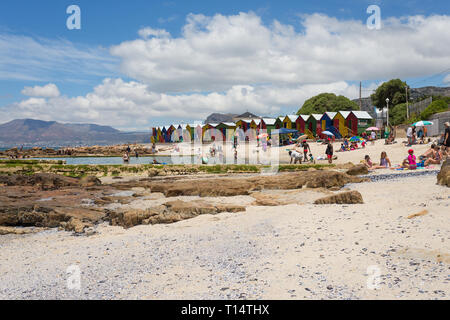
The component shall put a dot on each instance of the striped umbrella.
(356, 139)
(423, 123)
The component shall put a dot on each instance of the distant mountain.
(229, 117)
(52, 133)
(220, 117)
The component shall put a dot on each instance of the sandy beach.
(293, 251)
(251, 153)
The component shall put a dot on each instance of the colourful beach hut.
(300, 122)
(164, 134)
(196, 132)
(339, 122)
(279, 123)
(359, 121)
(227, 129)
(327, 120)
(313, 124)
(243, 124)
(268, 124)
(289, 121)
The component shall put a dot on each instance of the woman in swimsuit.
(436, 159)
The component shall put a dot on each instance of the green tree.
(394, 90)
(434, 107)
(325, 102)
(397, 114)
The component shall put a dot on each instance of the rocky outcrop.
(359, 169)
(45, 181)
(244, 186)
(348, 197)
(170, 212)
(90, 181)
(265, 200)
(75, 225)
(443, 177)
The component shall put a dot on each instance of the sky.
(137, 64)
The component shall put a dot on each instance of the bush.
(327, 102)
(435, 107)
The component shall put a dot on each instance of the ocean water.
(118, 160)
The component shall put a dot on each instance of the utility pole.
(360, 98)
(407, 107)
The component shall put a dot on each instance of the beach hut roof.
(362, 115)
(269, 121)
(292, 117)
(317, 116)
(229, 124)
(345, 114)
(257, 121)
(305, 117)
(213, 124)
(330, 114)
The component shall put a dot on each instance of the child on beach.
(295, 156)
(306, 147)
(367, 162)
(410, 161)
(329, 151)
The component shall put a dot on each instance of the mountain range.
(30, 132)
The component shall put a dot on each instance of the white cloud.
(40, 59)
(49, 91)
(215, 53)
(133, 105)
(148, 32)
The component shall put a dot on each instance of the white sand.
(297, 251)
(396, 152)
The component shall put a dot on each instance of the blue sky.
(82, 59)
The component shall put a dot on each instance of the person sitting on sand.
(295, 156)
(367, 162)
(384, 161)
(363, 144)
(410, 161)
(155, 162)
(436, 158)
(429, 153)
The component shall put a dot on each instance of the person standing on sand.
(329, 151)
(447, 136)
(306, 147)
(409, 133)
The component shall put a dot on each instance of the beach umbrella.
(372, 129)
(302, 137)
(423, 123)
(356, 139)
(328, 133)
